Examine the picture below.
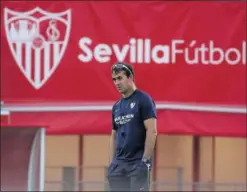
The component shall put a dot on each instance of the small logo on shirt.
(132, 105)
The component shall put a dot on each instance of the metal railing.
(199, 186)
(93, 179)
(159, 186)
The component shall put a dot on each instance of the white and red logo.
(37, 40)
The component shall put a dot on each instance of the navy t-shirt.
(128, 116)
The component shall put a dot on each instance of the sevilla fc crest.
(37, 40)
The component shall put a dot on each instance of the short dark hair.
(123, 66)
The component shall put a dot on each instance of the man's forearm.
(151, 135)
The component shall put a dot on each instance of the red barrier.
(5, 117)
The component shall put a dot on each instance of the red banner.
(181, 52)
(188, 55)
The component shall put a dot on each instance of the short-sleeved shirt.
(128, 116)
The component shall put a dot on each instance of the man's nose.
(117, 82)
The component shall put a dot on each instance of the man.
(133, 134)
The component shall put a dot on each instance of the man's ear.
(132, 77)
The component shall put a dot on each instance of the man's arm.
(149, 116)
(113, 136)
(112, 145)
(151, 134)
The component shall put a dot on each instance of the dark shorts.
(128, 177)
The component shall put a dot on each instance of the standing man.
(133, 134)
